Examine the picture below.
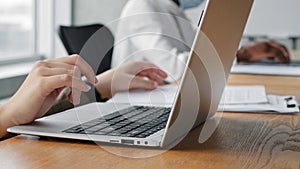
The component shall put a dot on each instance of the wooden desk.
(241, 141)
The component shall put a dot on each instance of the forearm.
(5, 119)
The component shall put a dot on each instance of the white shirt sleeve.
(154, 37)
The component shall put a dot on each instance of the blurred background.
(28, 29)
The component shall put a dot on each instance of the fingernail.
(87, 88)
(71, 100)
(155, 84)
(78, 101)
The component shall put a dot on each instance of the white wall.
(97, 11)
(275, 18)
(45, 28)
(63, 16)
(107, 11)
(268, 17)
(51, 14)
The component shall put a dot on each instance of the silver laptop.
(197, 98)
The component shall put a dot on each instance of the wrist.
(242, 55)
(6, 118)
(104, 84)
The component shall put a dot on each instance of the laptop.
(197, 98)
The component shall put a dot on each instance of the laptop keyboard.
(135, 121)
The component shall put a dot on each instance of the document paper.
(244, 95)
(254, 99)
(162, 95)
(267, 70)
(235, 99)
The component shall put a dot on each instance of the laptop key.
(99, 133)
(137, 121)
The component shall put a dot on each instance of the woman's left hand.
(133, 75)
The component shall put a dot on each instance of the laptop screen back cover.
(208, 67)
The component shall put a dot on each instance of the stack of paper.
(235, 99)
(162, 95)
(292, 69)
(234, 95)
(254, 99)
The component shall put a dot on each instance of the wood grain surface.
(242, 140)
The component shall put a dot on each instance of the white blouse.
(157, 31)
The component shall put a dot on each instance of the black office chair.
(94, 43)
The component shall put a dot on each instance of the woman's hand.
(261, 50)
(42, 86)
(134, 75)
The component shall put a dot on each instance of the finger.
(142, 66)
(152, 76)
(156, 78)
(74, 96)
(281, 47)
(55, 71)
(84, 67)
(76, 74)
(271, 56)
(56, 64)
(280, 52)
(48, 103)
(264, 55)
(58, 81)
(140, 83)
(278, 55)
(56, 68)
(159, 73)
(75, 92)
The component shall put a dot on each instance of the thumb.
(48, 103)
